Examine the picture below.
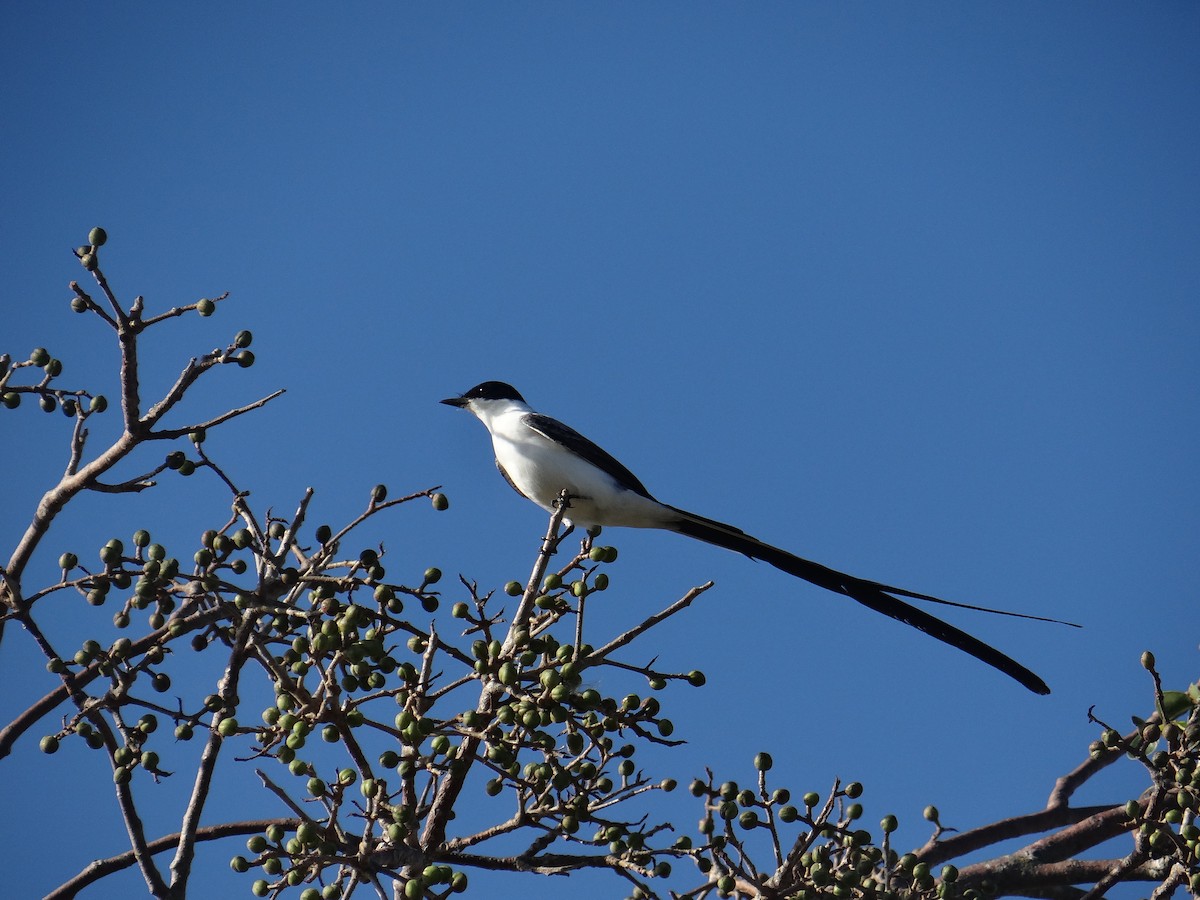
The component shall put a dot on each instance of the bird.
(540, 457)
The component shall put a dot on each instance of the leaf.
(1175, 704)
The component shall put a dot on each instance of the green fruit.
(243, 340)
(99, 404)
(48, 403)
(245, 359)
(379, 493)
(441, 503)
(68, 561)
(12, 399)
(206, 307)
(49, 744)
(433, 575)
(97, 237)
(763, 762)
(89, 262)
(78, 304)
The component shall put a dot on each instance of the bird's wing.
(577, 443)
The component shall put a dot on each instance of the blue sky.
(908, 289)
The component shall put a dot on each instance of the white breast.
(540, 469)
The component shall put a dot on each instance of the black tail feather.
(871, 594)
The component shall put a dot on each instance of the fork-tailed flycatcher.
(540, 457)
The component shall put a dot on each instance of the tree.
(395, 759)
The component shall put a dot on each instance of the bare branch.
(173, 433)
(682, 603)
(102, 868)
(958, 845)
(177, 311)
(447, 795)
(181, 865)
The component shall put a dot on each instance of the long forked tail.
(871, 594)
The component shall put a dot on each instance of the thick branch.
(943, 849)
(444, 801)
(181, 865)
(1027, 878)
(102, 868)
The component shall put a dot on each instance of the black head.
(488, 390)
